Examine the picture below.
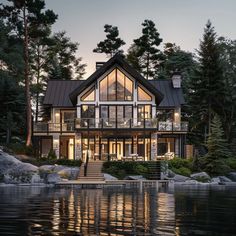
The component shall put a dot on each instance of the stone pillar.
(56, 145)
(153, 146)
(78, 146)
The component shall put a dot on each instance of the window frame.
(107, 88)
(139, 87)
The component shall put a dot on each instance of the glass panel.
(104, 149)
(88, 111)
(143, 96)
(128, 89)
(112, 86)
(128, 147)
(120, 86)
(89, 96)
(147, 112)
(112, 113)
(103, 89)
(68, 116)
(104, 112)
(165, 145)
(120, 113)
(141, 147)
(128, 112)
(165, 115)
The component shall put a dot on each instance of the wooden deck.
(111, 183)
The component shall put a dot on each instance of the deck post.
(157, 185)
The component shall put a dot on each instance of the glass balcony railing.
(82, 124)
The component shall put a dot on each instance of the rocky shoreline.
(15, 172)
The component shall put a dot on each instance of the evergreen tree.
(111, 45)
(12, 106)
(63, 62)
(206, 88)
(149, 56)
(24, 15)
(217, 149)
(228, 112)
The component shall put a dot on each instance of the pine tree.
(63, 61)
(217, 148)
(146, 49)
(112, 44)
(206, 88)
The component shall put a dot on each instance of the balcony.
(106, 124)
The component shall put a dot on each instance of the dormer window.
(143, 95)
(116, 87)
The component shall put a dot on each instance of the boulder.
(180, 178)
(71, 173)
(109, 177)
(134, 177)
(35, 179)
(53, 178)
(46, 168)
(224, 179)
(191, 181)
(200, 175)
(58, 168)
(216, 180)
(232, 176)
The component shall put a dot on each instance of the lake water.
(185, 211)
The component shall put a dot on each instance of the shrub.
(52, 155)
(182, 171)
(231, 162)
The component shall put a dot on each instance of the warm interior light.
(176, 114)
(57, 114)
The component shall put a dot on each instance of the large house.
(115, 114)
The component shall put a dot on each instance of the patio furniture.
(107, 124)
(139, 158)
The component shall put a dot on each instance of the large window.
(114, 112)
(165, 115)
(144, 112)
(142, 95)
(116, 87)
(88, 111)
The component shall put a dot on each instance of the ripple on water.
(47, 211)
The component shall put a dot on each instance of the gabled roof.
(116, 60)
(57, 93)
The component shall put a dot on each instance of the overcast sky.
(178, 21)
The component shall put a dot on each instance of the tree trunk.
(37, 83)
(27, 84)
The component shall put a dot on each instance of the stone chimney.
(99, 64)
(176, 79)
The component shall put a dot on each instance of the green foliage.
(52, 155)
(181, 166)
(63, 61)
(111, 45)
(182, 171)
(145, 50)
(202, 179)
(121, 169)
(231, 163)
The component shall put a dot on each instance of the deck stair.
(94, 171)
(154, 168)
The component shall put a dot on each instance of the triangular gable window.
(142, 95)
(89, 96)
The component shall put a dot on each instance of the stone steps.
(94, 171)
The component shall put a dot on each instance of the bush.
(231, 162)
(52, 155)
(182, 171)
(121, 169)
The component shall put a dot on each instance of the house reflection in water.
(115, 212)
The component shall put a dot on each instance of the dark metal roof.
(63, 93)
(57, 93)
(116, 60)
(173, 97)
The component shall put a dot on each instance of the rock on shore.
(13, 171)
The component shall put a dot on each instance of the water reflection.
(45, 211)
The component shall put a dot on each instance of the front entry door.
(116, 149)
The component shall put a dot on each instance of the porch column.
(153, 146)
(56, 145)
(78, 146)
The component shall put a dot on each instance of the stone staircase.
(154, 170)
(94, 171)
